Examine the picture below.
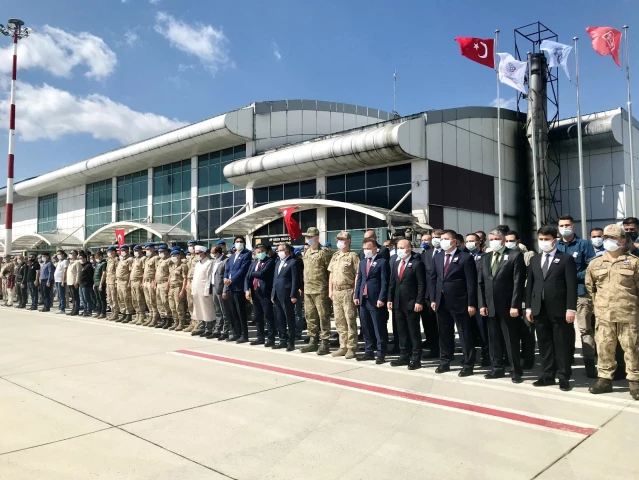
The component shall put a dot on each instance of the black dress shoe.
(222, 337)
(290, 347)
(443, 368)
(465, 372)
(544, 382)
(269, 343)
(516, 378)
(494, 374)
(528, 365)
(365, 358)
(400, 362)
(233, 339)
(241, 340)
(564, 386)
(380, 360)
(258, 341)
(277, 346)
(217, 334)
(414, 365)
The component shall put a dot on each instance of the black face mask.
(633, 235)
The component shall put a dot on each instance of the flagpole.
(582, 188)
(499, 180)
(633, 193)
(533, 142)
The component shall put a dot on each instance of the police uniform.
(148, 277)
(161, 290)
(343, 269)
(112, 289)
(123, 279)
(178, 272)
(316, 261)
(613, 284)
(137, 285)
(191, 261)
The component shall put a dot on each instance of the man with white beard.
(201, 289)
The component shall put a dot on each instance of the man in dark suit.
(502, 275)
(551, 304)
(480, 327)
(429, 319)
(406, 299)
(285, 295)
(384, 252)
(234, 275)
(453, 296)
(371, 291)
(259, 286)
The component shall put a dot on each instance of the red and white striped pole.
(13, 28)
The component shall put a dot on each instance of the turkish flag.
(292, 227)
(478, 50)
(606, 41)
(119, 234)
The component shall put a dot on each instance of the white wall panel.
(362, 120)
(450, 218)
(350, 121)
(490, 222)
(25, 217)
(476, 221)
(434, 142)
(262, 126)
(309, 122)
(476, 158)
(464, 222)
(337, 122)
(602, 202)
(600, 169)
(464, 124)
(489, 158)
(71, 210)
(294, 122)
(488, 128)
(323, 123)
(475, 125)
(278, 124)
(463, 148)
(449, 139)
(621, 202)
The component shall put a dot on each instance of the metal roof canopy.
(31, 241)
(250, 221)
(167, 233)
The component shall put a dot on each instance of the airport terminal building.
(344, 166)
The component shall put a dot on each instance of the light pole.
(15, 28)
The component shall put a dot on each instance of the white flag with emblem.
(557, 54)
(513, 72)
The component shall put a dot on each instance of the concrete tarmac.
(90, 399)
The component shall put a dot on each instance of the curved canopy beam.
(32, 241)
(106, 234)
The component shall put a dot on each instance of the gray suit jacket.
(218, 278)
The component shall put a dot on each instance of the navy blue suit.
(286, 285)
(262, 304)
(429, 319)
(373, 319)
(236, 268)
(453, 293)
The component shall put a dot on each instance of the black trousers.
(447, 322)
(506, 328)
(21, 293)
(100, 299)
(239, 322)
(431, 330)
(556, 341)
(47, 297)
(75, 293)
(285, 317)
(409, 333)
(374, 327)
(263, 315)
(480, 331)
(527, 334)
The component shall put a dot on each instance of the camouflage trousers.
(317, 315)
(112, 294)
(137, 291)
(177, 305)
(189, 299)
(149, 297)
(345, 318)
(162, 300)
(124, 297)
(606, 337)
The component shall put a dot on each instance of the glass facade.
(99, 197)
(172, 194)
(132, 197)
(218, 200)
(48, 213)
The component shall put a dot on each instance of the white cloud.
(130, 37)
(59, 52)
(154, 2)
(276, 52)
(201, 41)
(48, 113)
(183, 68)
(510, 103)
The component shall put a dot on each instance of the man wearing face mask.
(32, 280)
(47, 278)
(192, 261)
(222, 317)
(285, 295)
(480, 327)
(596, 238)
(631, 227)
(259, 286)
(453, 293)
(137, 284)
(148, 277)
(111, 283)
(429, 318)
(123, 281)
(551, 302)
(582, 253)
(9, 280)
(99, 285)
(482, 239)
(383, 251)
(176, 290)
(613, 281)
(161, 286)
(60, 277)
(21, 282)
(234, 276)
(502, 275)
(200, 286)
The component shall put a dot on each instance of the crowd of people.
(497, 295)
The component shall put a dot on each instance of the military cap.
(111, 249)
(220, 242)
(191, 242)
(614, 231)
(148, 244)
(327, 244)
(124, 247)
(297, 251)
(137, 247)
(163, 247)
(312, 232)
(176, 251)
(344, 236)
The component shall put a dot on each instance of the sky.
(96, 75)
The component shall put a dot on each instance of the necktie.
(255, 281)
(368, 269)
(495, 263)
(546, 265)
(402, 267)
(446, 263)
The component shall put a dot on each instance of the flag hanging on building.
(119, 235)
(478, 50)
(557, 54)
(513, 72)
(606, 41)
(292, 227)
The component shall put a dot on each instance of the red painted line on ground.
(391, 392)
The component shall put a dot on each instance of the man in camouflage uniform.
(612, 280)
(8, 279)
(137, 284)
(148, 277)
(178, 280)
(192, 260)
(162, 286)
(112, 289)
(318, 321)
(123, 279)
(343, 270)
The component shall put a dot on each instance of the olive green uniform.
(162, 280)
(316, 309)
(137, 289)
(177, 274)
(112, 289)
(148, 277)
(343, 269)
(123, 277)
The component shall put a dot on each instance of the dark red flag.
(119, 234)
(292, 227)
(606, 41)
(480, 50)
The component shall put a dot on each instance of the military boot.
(180, 326)
(339, 352)
(155, 319)
(121, 318)
(128, 318)
(603, 385)
(199, 330)
(161, 322)
(324, 348)
(634, 389)
(169, 322)
(591, 368)
(350, 354)
(311, 347)
(190, 327)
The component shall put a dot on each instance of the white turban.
(200, 248)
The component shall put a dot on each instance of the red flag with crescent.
(480, 50)
(119, 234)
(606, 41)
(292, 227)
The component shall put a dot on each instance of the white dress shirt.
(551, 259)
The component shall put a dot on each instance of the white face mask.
(191, 249)
(282, 255)
(149, 253)
(495, 244)
(471, 246)
(341, 244)
(174, 259)
(446, 244)
(611, 245)
(597, 241)
(110, 254)
(124, 254)
(565, 231)
(368, 253)
(239, 246)
(436, 242)
(401, 253)
(545, 245)
(163, 255)
(310, 242)
(511, 244)
(136, 254)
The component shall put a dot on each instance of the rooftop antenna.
(395, 94)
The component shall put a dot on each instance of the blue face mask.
(425, 244)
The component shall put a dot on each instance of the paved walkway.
(89, 399)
